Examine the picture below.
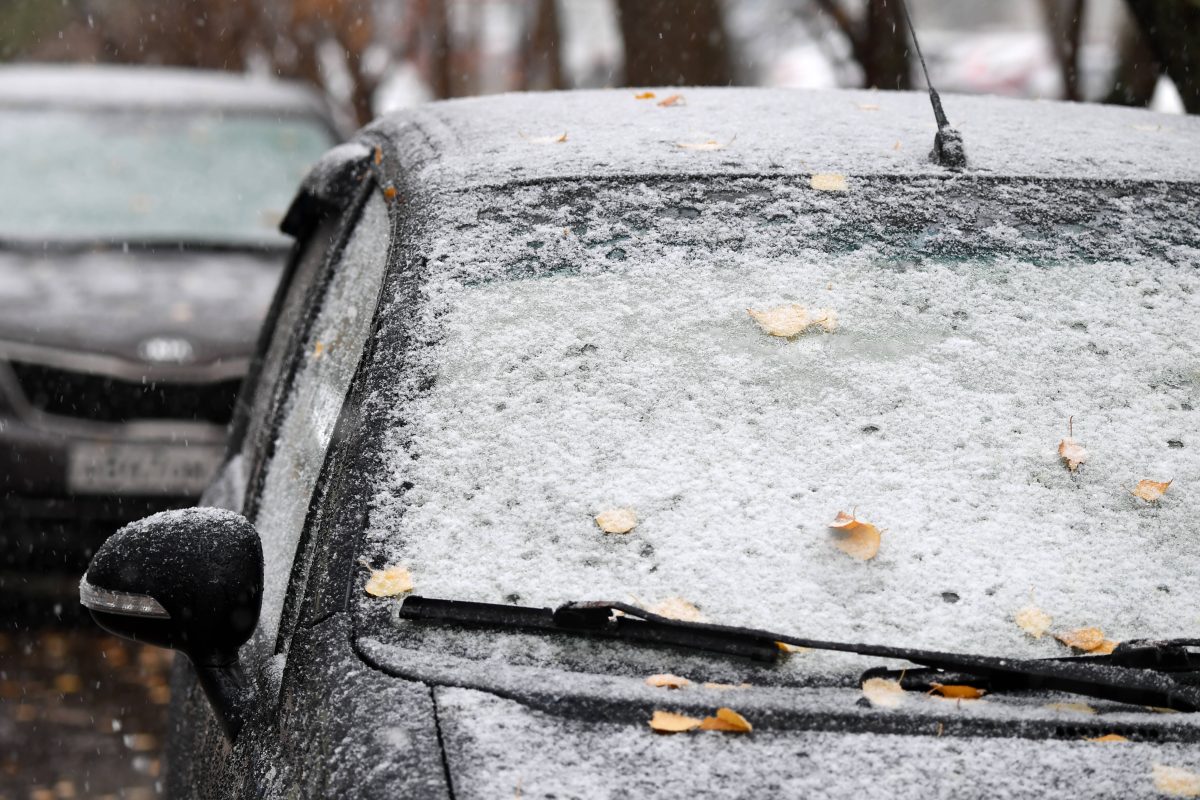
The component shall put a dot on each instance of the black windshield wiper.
(1138, 672)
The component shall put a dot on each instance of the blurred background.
(84, 715)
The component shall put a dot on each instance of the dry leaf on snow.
(617, 520)
(1087, 639)
(389, 193)
(1072, 452)
(677, 608)
(1151, 491)
(1176, 781)
(727, 720)
(670, 722)
(792, 648)
(378, 156)
(828, 182)
(856, 539)
(868, 107)
(1108, 737)
(709, 144)
(644, 96)
(672, 100)
(389, 582)
(883, 693)
(559, 139)
(792, 320)
(955, 691)
(667, 681)
(1033, 621)
(1078, 708)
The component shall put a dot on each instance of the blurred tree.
(541, 61)
(1064, 24)
(1172, 28)
(1137, 70)
(671, 43)
(878, 41)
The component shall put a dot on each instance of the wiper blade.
(1137, 672)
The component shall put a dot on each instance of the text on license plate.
(147, 469)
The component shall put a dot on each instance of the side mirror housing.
(190, 580)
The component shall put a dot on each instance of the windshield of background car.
(148, 176)
(588, 348)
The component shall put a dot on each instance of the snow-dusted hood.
(115, 304)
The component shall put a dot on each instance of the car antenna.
(947, 142)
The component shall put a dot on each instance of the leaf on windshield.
(617, 520)
(1151, 491)
(826, 319)
(856, 538)
(792, 648)
(883, 693)
(670, 722)
(1108, 737)
(955, 691)
(672, 100)
(378, 155)
(792, 320)
(1033, 621)
(1071, 451)
(726, 720)
(678, 608)
(644, 96)
(1078, 708)
(1087, 639)
(389, 193)
(1176, 781)
(828, 182)
(389, 582)
(667, 681)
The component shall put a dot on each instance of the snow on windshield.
(934, 411)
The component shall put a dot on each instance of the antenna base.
(948, 149)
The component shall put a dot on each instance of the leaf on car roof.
(1176, 781)
(1088, 640)
(868, 107)
(644, 96)
(389, 582)
(1033, 621)
(617, 520)
(672, 100)
(1108, 737)
(678, 608)
(552, 139)
(956, 691)
(667, 681)
(1151, 491)
(670, 722)
(709, 144)
(792, 320)
(726, 720)
(883, 693)
(856, 538)
(828, 182)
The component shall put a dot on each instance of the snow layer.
(637, 379)
(768, 131)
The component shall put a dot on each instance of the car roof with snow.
(531, 137)
(104, 86)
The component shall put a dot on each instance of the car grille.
(105, 399)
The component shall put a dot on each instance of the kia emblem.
(166, 350)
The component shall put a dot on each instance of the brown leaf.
(389, 193)
(1033, 621)
(644, 96)
(672, 100)
(677, 608)
(1072, 452)
(667, 681)
(670, 722)
(1108, 737)
(883, 692)
(956, 691)
(559, 139)
(856, 539)
(617, 520)
(828, 182)
(710, 144)
(1086, 639)
(1104, 648)
(1176, 781)
(389, 582)
(726, 720)
(378, 156)
(792, 648)
(1151, 491)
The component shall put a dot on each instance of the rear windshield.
(226, 178)
(595, 350)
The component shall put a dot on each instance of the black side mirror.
(190, 580)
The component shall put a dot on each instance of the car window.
(330, 350)
(172, 175)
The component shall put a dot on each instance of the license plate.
(148, 469)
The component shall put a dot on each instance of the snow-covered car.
(586, 417)
(139, 249)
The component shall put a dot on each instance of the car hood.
(115, 304)
(543, 732)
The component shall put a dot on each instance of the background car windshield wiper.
(1138, 672)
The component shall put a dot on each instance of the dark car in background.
(139, 249)
(511, 322)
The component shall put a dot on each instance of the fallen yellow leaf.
(867, 107)
(856, 539)
(1033, 621)
(667, 681)
(1108, 737)
(1151, 491)
(1176, 781)
(617, 520)
(318, 350)
(670, 722)
(883, 692)
(828, 182)
(672, 100)
(896, 146)
(389, 193)
(644, 96)
(1072, 452)
(783, 321)
(956, 691)
(1078, 708)
(792, 648)
(710, 144)
(678, 608)
(1086, 639)
(726, 720)
(378, 156)
(559, 139)
(1104, 648)
(389, 582)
